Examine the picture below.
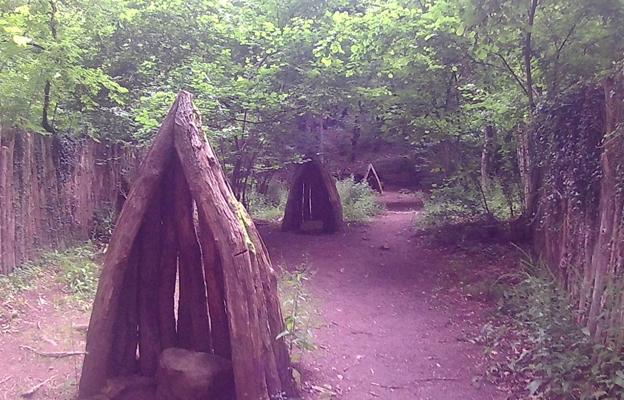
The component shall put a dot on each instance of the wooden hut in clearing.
(372, 179)
(313, 202)
(182, 223)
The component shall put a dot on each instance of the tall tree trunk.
(487, 152)
(527, 52)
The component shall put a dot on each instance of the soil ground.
(390, 326)
(392, 321)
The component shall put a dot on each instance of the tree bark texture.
(487, 154)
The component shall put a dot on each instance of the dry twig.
(54, 354)
(30, 392)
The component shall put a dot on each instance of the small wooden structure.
(313, 200)
(181, 222)
(372, 179)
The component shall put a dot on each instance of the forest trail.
(389, 326)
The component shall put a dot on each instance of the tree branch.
(513, 73)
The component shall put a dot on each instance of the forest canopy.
(269, 74)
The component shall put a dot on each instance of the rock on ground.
(188, 375)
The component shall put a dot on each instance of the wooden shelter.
(313, 200)
(372, 179)
(181, 222)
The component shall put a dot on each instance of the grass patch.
(76, 269)
(359, 201)
(11, 285)
(549, 356)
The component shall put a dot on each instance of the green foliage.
(359, 201)
(554, 355)
(269, 77)
(78, 271)
(461, 201)
(11, 286)
(103, 224)
(270, 205)
(75, 268)
(297, 309)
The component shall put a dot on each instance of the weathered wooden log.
(268, 279)
(252, 361)
(193, 302)
(293, 211)
(149, 264)
(168, 269)
(123, 357)
(107, 301)
(7, 223)
(372, 179)
(213, 272)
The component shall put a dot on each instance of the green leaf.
(21, 40)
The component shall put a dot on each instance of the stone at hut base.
(189, 375)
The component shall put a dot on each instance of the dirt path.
(392, 322)
(387, 330)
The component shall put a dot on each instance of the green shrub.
(78, 271)
(103, 224)
(268, 206)
(461, 201)
(297, 309)
(550, 350)
(359, 201)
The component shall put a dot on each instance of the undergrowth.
(75, 269)
(549, 356)
(11, 285)
(297, 310)
(461, 202)
(78, 272)
(359, 201)
(268, 206)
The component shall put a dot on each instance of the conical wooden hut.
(372, 179)
(313, 201)
(181, 223)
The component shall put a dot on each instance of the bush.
(558, 359)
(297, 309)
(103, 224)
(268, 206)
(460, 202)
(78, 271)
(359, 201)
